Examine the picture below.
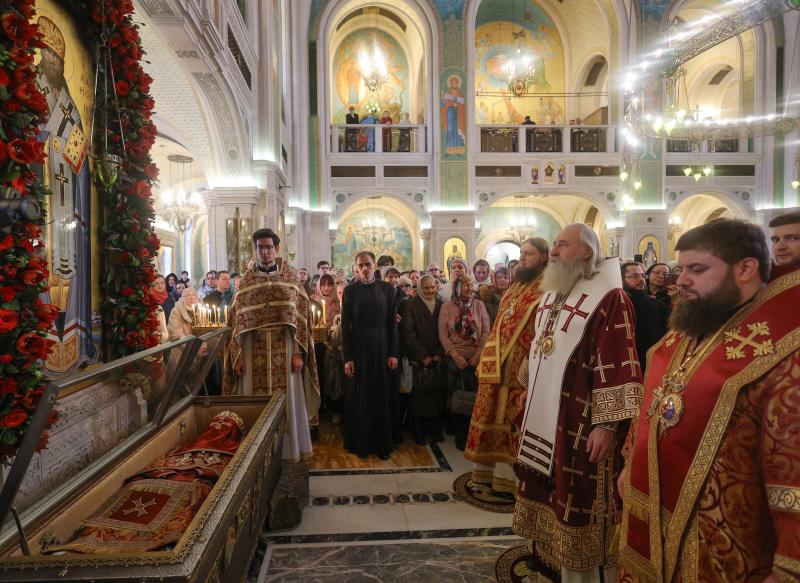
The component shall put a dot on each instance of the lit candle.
(195, 314)
(324, 314)
(226, 315)
(216, 309)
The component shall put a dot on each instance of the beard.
(527, 274)
(700, 316)
(561, 276)
(634, 291)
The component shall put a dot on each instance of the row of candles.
(210, 316)
(319, 318)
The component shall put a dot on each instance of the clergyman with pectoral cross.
(582, 390)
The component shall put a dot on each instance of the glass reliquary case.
(143, 478)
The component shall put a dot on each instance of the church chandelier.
(519, 71)
(373, 229)
(372, 66)
(675, 119)
(180, 207)
(523, 222)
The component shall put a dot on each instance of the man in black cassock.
(370, 348)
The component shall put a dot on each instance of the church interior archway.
(699, 209)
(363, 34)
(381, 224)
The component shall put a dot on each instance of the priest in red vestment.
(584, 384)
(272, 346)
(493, 438)
(712, 479)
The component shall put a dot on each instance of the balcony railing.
(721, 146)
(378, 138)
(546, 139)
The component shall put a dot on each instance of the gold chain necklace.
(546, 342)
(668, 399)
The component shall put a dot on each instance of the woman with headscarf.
(328, 305)
(458, 267)
(420, 327)
(463, 331)
(492, 294)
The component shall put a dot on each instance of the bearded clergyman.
(712, 479)
(493, 438)
(584, 383)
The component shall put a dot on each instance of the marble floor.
(394, 521)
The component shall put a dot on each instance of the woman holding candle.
(328, 307)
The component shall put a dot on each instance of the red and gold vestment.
(570, 511)
(502, 374)
(712, 486)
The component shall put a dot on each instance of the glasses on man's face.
(405, 285)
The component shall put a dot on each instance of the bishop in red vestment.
(584, 384)
(712, 479)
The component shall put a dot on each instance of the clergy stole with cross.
(66, 155)
(547, 368)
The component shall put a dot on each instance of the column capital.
(231, 196)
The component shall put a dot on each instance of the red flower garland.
(24, 319)
(128, 234)
(128, 231)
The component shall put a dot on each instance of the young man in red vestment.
(584, 383)
(712, 478)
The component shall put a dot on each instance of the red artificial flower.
(15, 418)
(45, 312)
(4, 78)
(8, 385)
(9, 319)
(6, 242)
(33, 276)
(25, 151)
(129, 34)
(20, 56)
(7, 293)
(5, 358)
(35, 347)
(127, 292)
(122, 87)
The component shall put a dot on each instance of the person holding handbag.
(463, 332)
(420, 327)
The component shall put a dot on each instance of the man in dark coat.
(651, 314)
(420, 326)
(370, 348)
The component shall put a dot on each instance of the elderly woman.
(458, 267)
(181, 319)
(420, 327)
(491, 295)
(463, 331)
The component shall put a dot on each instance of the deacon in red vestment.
(272, 346)
(493, 438)
(712, 479)
(584, 384)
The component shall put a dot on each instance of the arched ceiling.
(179, 115)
